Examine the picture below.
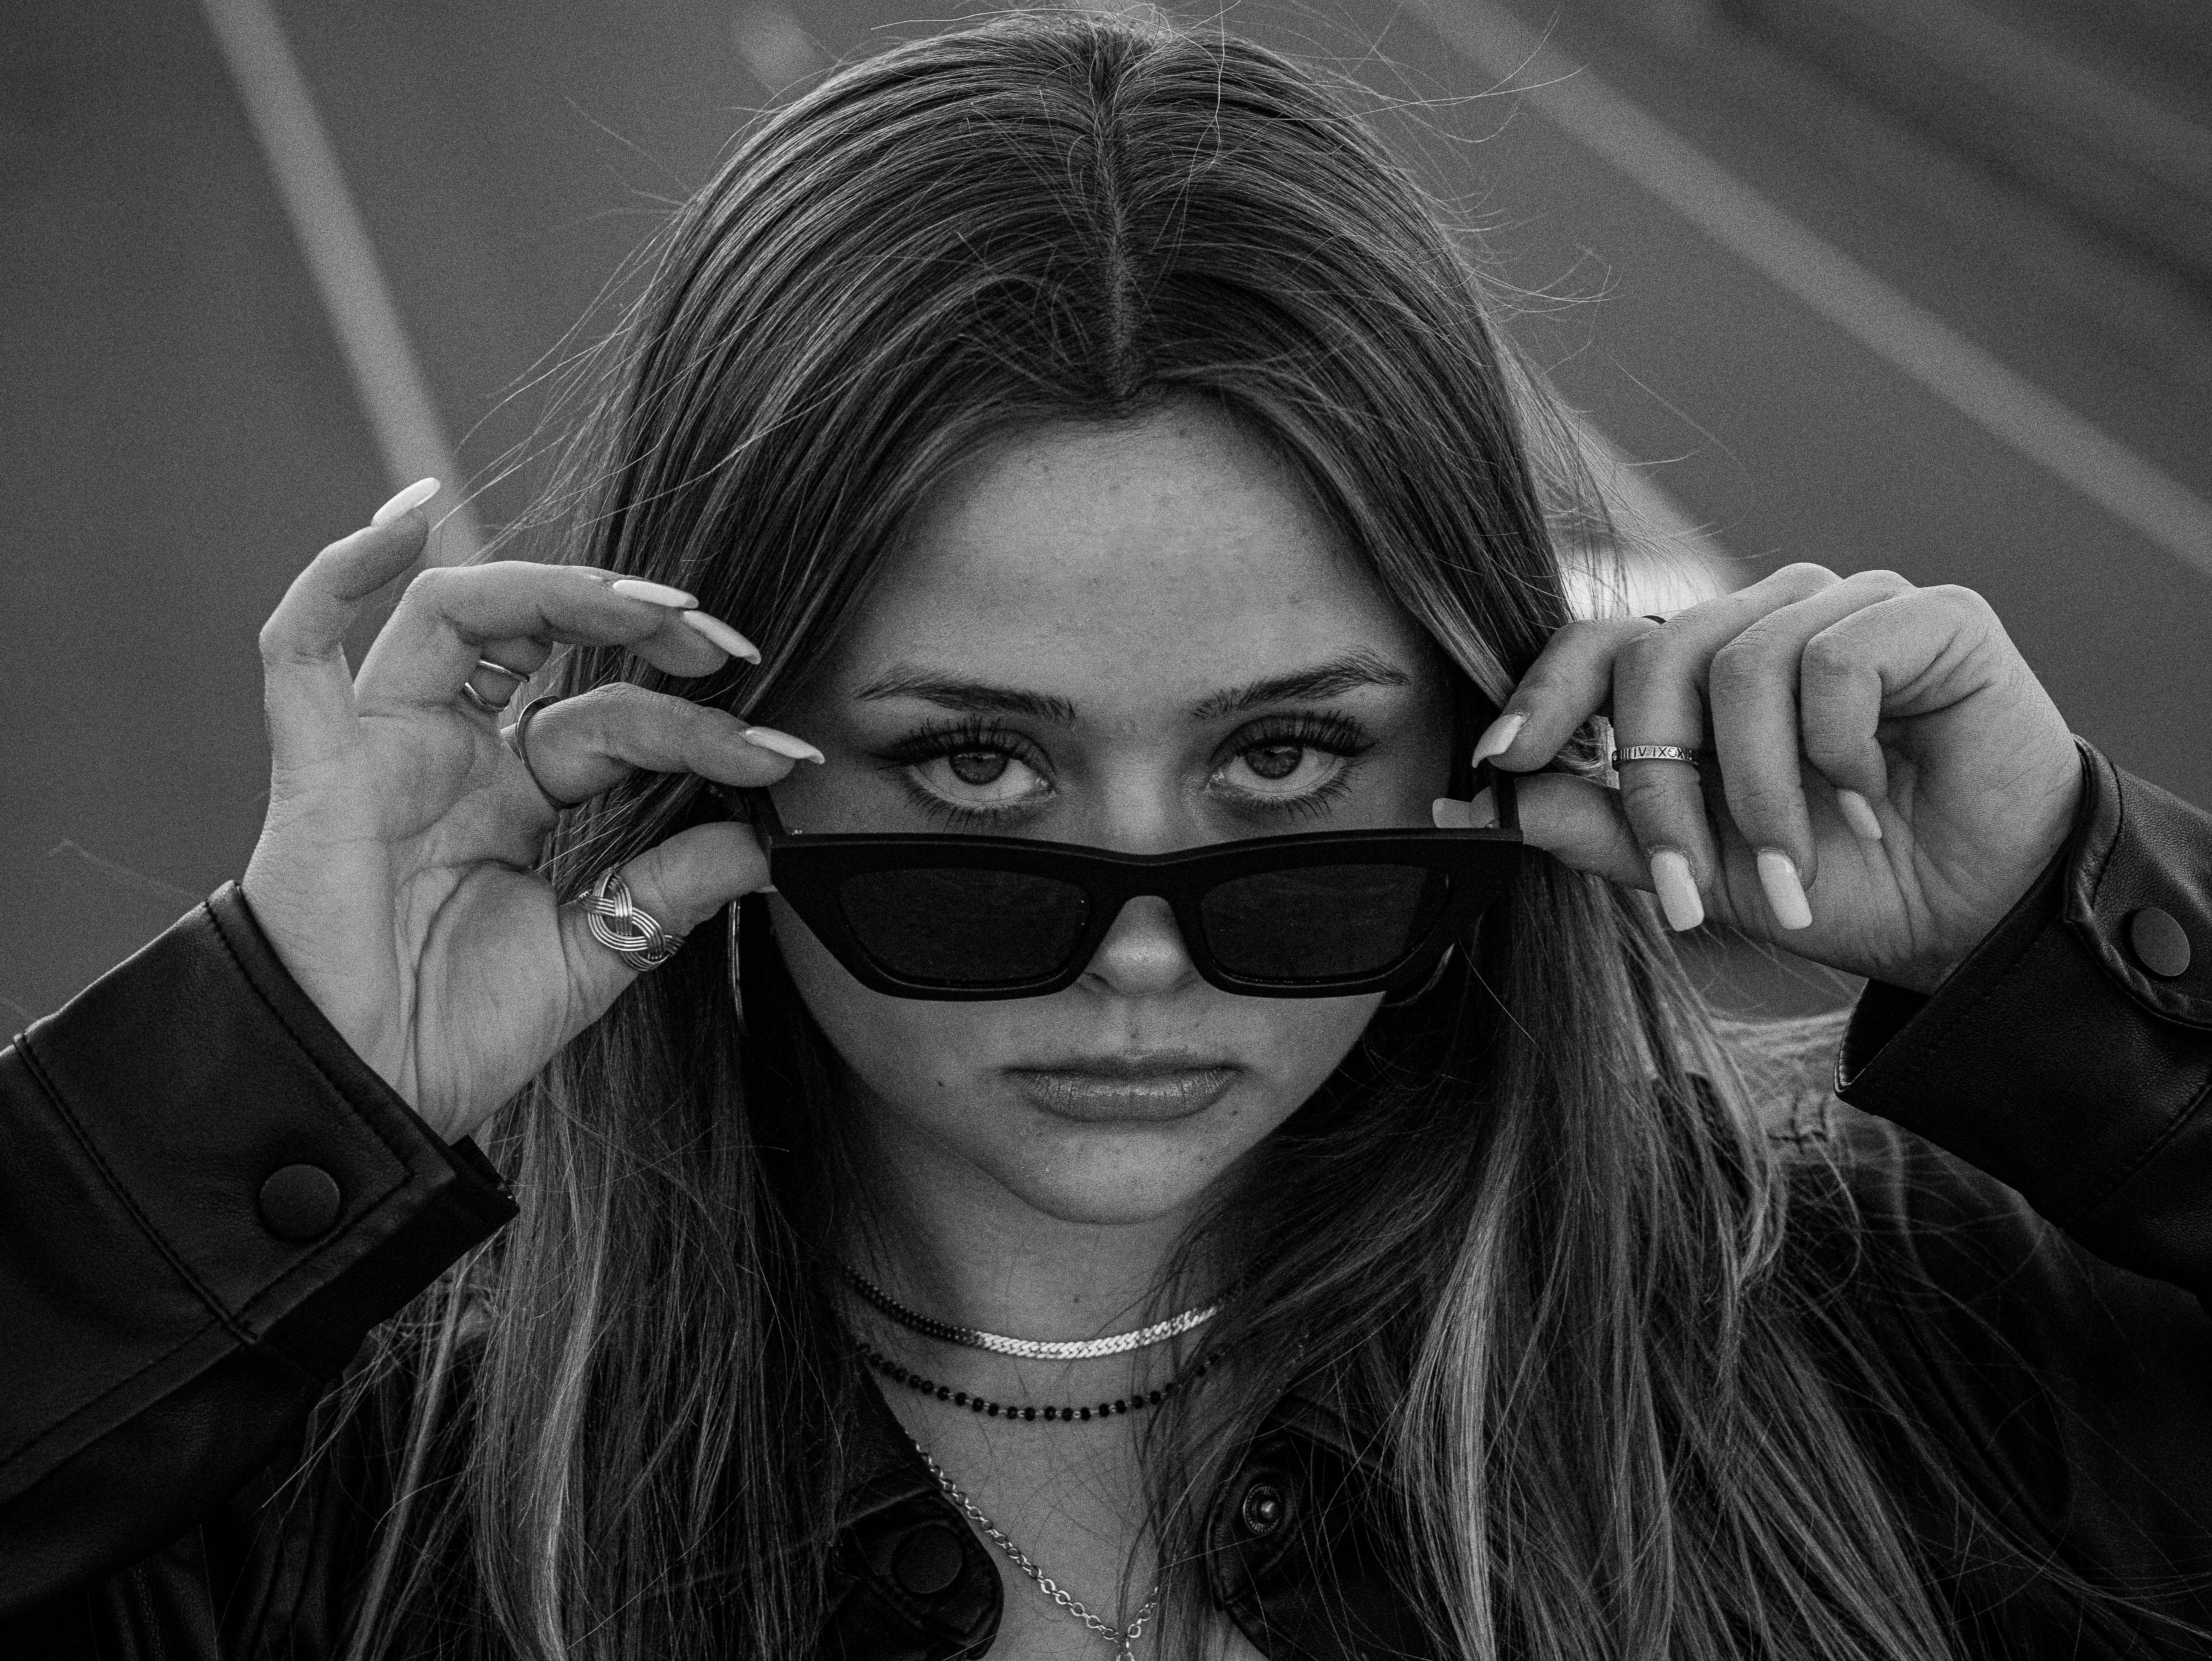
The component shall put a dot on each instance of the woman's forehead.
(1165, 559)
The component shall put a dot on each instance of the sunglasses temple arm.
(757, 808)
(1502, 788)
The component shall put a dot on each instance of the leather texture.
(168, 1325)
(2051, 1060)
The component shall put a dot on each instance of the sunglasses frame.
(807, 868)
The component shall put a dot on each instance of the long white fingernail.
(782, 743)
(1497, 738)
(656, 593)
(413, 496)
(1858, 814)
(1785, 894)
(722, 635)
(1451, 814)
(1678, 890)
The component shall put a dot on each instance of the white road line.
(387, 378)
(1988, 56)
(1905, 335)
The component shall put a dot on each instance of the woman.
(1051, 1249)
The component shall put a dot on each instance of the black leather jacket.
(207, 1201)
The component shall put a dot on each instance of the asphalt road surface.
(182, 431)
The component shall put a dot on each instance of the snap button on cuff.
(1262, 1509)
(299, 1202)
(2159, 943)
(928, 1561)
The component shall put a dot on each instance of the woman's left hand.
(1882, 775)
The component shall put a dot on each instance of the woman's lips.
(1096, 1091)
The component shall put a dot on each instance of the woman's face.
(1140, 638)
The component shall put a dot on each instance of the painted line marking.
(1909, 338)
(325, 220)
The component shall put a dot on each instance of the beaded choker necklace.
(1135, 1402)
(1027, 1349)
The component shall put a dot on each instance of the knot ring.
(619, 924)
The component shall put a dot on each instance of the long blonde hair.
(1532, 1237)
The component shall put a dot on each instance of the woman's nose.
(1143, 954)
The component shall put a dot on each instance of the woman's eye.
(980, 778)
(978, 766)
(1276, 761)
(1280, 769)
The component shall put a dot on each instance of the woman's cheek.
(907, 1052)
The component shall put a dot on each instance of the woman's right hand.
(395, 875)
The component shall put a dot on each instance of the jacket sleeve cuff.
(2070, 1056)
(215, 1168)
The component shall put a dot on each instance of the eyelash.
(952, 738)
(1329, 733)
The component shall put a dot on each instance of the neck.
(950, 1241)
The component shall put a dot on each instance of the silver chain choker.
(1027, 1349)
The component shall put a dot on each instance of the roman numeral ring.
(1684, 753)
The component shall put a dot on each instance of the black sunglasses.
(1327, 914)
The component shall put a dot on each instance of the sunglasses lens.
(965, 927)
(1321, 922)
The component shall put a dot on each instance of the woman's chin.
(1107, 1178)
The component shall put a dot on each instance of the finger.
(1873, 662)
(1658, 697)
(1571, 680)
(521, 658)
(504, 667)
(590, 743)
(1578, 821)
(679, 884)
(307, 689)
(1753, 690)
(449, 614)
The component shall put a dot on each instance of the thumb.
(678, 885)
(1578, 822)
(307, 688)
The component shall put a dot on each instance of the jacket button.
(2159, 943)
(299, 1201)
(928, 1561)
(1263, 1509)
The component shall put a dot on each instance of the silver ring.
(482, 702)
(518, 740)
(1659, 752)
(619, 924)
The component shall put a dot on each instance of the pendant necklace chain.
(1124, 1639)
(1027, 1349)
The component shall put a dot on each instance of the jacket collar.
(1297, 1550)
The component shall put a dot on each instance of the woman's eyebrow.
(968, 696)
(1327, 679)
(1330, 679)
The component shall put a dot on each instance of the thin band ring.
(518, 740)
(618, 923)
(485, 665)
(1688, 754)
